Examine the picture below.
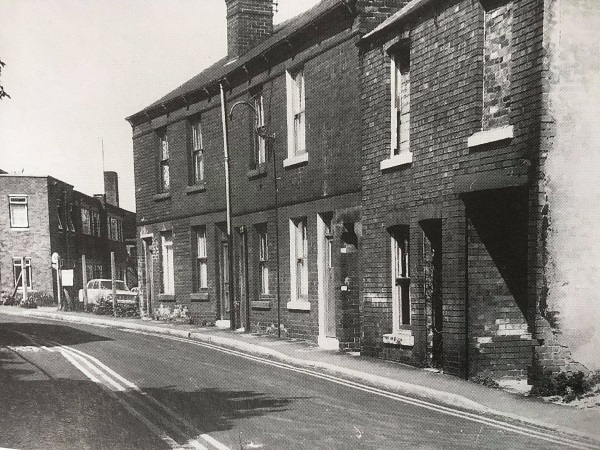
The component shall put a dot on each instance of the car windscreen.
(106, 284)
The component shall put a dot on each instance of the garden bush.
(105, 307)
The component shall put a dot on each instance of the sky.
(76, 68)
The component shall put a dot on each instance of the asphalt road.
(87, 387)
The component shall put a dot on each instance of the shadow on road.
(217, 410)
(12, 334)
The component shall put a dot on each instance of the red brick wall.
(330, 181)
(447, 48)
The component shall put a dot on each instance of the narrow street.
(77, 386)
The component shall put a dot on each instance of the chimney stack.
(248, 23)
(111, 188)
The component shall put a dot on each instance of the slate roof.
(222, 68)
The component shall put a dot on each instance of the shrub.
(485, 380)
(105, 307)
(567, 385)
(6, 299)
(176, 313)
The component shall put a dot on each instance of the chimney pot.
(249, 22)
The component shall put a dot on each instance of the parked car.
(99, 288)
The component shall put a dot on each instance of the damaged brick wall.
(570, 310)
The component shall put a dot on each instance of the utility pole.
(228, 208)
(24, 278)
(113, 275)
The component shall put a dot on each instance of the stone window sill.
(198, 187)
(263, 303)
(490, 136)
(166, 297)
(400, 338)
(199, 296)
(258, 172)
(161, 196)
(299, 305)
(396, 161)
(297, 160)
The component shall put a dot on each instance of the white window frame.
(260, 143)
(400, 271)
(400, 152)
(296, 117)
(18, 202)
(165, 176)
(299, 264)
(201, 259)
(168, 270)
(197, 152)
(17, 281)
(263, 260)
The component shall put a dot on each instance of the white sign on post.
(67, 277)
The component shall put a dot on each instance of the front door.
(148, 277)
(242, 315)
(432, 258)
(224, 277)
(327, 316)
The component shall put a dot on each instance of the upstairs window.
(70, 225)
(263, 259)
(86, 221)
(497, 59)
(260, 147)
(115, 229)
(165, 179)
(95, 223)
(201, 259)
(18, 209)
(59, 214)
(400, 86)
(296, 113)
(197, 155)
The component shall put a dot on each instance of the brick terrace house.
(295, 197)
(42, 215)
(472, 147)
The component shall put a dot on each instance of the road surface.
(68, 386)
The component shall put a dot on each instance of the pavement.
(426, 385)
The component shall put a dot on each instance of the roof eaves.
(402, 14)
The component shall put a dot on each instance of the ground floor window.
(18, 271)
(298, 259)
(400, 276)
(263, 259)
(201, 259)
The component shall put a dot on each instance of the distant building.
(41, 215)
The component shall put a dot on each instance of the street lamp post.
(269, 138)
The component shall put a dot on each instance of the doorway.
(223, 307)
(432, 287)
(242, 313)
(148, 275)
(327, 310)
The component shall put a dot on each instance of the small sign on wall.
(67, 277)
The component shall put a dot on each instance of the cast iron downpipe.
(228, 208)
